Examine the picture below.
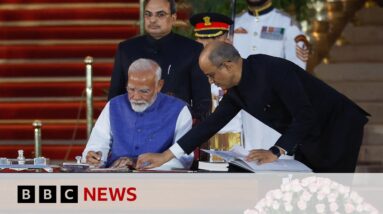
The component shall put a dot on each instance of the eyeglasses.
(159, 14)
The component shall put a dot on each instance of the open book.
(237, 156)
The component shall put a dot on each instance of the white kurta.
(273, 34)
(101, 138)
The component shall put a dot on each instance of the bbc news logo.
(69, 194)
(47, 194)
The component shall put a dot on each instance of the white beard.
(141, 106)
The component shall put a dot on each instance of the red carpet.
(48, 40)
(69, 14)
(56, 51)
(75, 69)
(69, 32)
(51, 89)
(46, 110)
(49, 132)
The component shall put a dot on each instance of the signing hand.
(152, 160)
(261, 156)
(123, 162)
(93, 158)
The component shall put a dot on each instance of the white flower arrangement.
(312, 195)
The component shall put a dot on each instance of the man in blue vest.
(139, 121)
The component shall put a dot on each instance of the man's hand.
(152, 160)
(93, 158)
(261, 156)
(123, 162)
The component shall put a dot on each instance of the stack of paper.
(237, 156)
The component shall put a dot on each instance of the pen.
(169, 69)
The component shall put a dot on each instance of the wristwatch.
(275, 150)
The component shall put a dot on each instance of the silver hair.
(222, 52)
(143, 64)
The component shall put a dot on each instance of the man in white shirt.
(140, 121)
(266, 30)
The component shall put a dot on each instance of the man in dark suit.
(177, 56)
(322, 127)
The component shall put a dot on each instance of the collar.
(160, 41)
(261, 10)
(240, 84)
(236, 92)
(243, 74)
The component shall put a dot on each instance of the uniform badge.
(302, 47)
(272, 33)
(206, 21)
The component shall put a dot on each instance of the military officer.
(266, 30)
(210, 27)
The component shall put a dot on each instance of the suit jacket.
(178, 58)
(293, 102)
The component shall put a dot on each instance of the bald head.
(222, 63)
(217, 52)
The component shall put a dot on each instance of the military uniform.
(178, 58)
(272, 32)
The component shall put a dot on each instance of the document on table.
(237, 156)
